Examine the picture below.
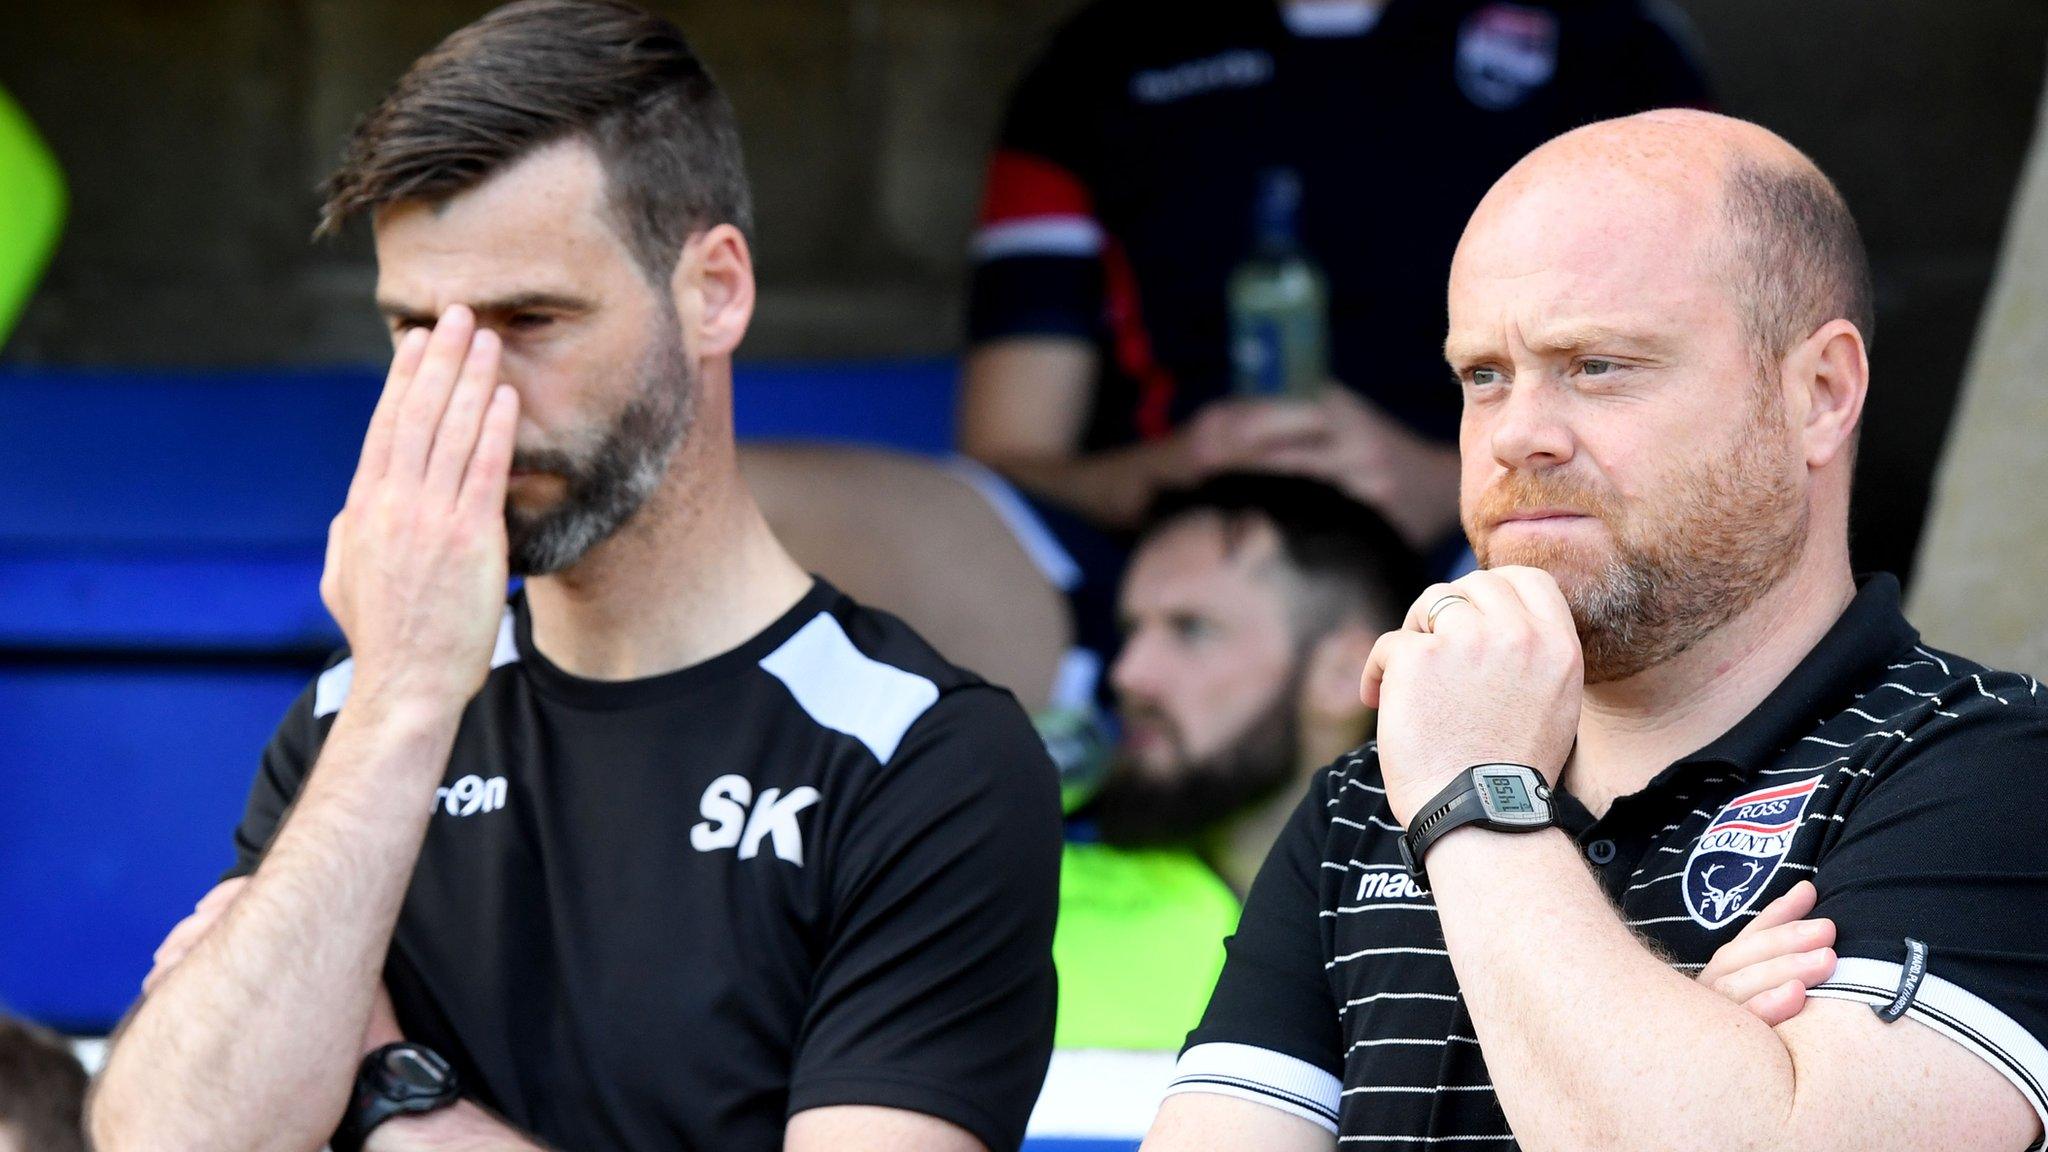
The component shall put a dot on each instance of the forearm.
(1592, 1041)
(1112, 488)
(251, 1043)
(463, 1128)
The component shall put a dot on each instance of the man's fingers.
(186, 934)
(462, 424)
(426, 398)
(490, 465)
(376, 454)
(1539, 593)
(1385, 650)
(221, 894)
(1417, 619)
(1779, 940)
(1261, 426)
(1777, 1005)
(1317, 461)
(1804, 968)
(1773, 931)
(1797, 901)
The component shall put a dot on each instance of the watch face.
(413, 1072)
(1508, 795)
(1512, 796)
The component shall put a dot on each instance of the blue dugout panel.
(160, 545)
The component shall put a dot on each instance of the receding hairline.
(1775, 231)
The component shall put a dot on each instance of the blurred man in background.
(1122, 198)
(42, 1091)
(1250, 606)
(31, 210)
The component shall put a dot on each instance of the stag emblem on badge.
(1740, 852)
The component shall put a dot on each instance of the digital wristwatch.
(1503, 797)
(402, 1079)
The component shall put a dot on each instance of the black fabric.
(1393, 147)
(1909, 781)
(606, 983)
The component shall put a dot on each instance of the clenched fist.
(1495, 677)
(416, 561)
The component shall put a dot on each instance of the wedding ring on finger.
(1442, 602)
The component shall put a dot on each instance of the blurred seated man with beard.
(1248, 611)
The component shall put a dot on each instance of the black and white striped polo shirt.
(1902, 780)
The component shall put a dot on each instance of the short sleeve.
(1037, 248)
(935, 990)
(1946, 849)
(1271, 1034)
(281, 774)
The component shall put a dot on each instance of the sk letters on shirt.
(1899, 779)
(818, 869)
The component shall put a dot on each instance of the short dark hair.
(1345, 550)
(1796, 259)
(42, 1089)
(538, 71)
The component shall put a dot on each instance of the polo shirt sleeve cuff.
(908, 1093)
(1954, 1012)
(1262, 1077)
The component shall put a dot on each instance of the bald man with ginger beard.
(1662, 709)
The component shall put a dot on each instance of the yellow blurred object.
(31, 210)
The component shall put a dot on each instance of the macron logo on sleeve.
(735, 818)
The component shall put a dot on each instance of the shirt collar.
(1869, 633)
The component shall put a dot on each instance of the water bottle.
(1279, 305)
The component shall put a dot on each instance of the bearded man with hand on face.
(1662, 707)
(681, 848)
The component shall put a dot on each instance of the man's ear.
(713, 289)
(1329, 682)
(1827, 377)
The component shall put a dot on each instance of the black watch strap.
(1465, 800)
(402, 1079)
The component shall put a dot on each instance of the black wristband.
(402, 1079)
(1500, 796)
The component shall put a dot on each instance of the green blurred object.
(31, 210)
(1140, 936)
(1138, 947)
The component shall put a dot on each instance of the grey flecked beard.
(608, 482)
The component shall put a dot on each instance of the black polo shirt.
(1120, 196)
(821, 868)
(1903, 781)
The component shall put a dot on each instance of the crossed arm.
(466, 1127)
(1593, 1042)
(264, 1002)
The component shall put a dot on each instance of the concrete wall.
(1987, 541)
(195, 130)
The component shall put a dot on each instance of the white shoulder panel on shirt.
(332, 687)
(846, 691)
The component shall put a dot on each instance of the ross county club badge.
(1505, 53)
(1734, 860)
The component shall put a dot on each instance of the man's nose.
(1136, 671)
(1531, 429)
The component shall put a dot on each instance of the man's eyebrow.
(1565, 339)
(1579, 337)
(503, 305)
(1458, 351)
